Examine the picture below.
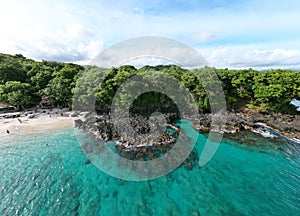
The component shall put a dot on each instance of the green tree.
(16, 93)
(60, 87)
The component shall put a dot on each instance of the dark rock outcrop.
(287, 125)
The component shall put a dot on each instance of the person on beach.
(7, 131)
(20, 120)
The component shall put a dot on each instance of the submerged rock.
(88, 161)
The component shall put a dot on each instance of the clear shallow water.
(47, 175)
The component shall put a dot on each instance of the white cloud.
(48, 31)
(233, 36)
(247, 56)
(76, 31)
(92, 49)
(72, 43)
(138, 11)
(203, 37)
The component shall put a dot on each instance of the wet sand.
(40, 123)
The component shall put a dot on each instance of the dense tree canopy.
(25, 82)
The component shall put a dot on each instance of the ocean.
(47, 174)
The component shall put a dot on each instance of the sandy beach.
(42, 122)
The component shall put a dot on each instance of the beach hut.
(46, 103)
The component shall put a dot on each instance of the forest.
(25, 82)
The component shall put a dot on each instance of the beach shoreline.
(57, 119)
(42, 122)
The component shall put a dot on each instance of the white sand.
(42, 122)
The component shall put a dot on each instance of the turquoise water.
(46, 174)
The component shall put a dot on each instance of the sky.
(260, 34)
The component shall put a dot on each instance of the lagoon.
(46, 174)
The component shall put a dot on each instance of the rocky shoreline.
(278, 127)
(249, 120)
(138, 144)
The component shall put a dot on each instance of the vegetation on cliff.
(25, 82)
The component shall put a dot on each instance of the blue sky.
(228, 33)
